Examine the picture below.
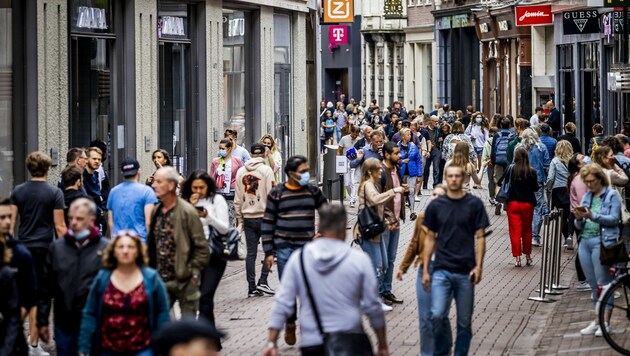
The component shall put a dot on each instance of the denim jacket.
(539, 160)
(609, 216)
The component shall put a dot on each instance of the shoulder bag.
(370, 223)
(337, 343)
(230, 246)
(614, 253)
(504, 193)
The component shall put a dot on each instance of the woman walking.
(557, 184)
(598, 217)
(577, 189)
(520, 205)
(127, 303)
(410, 167)
(457, 135)
(369, 196)
(11, 337)
(223, 171)
(274, 158)
(461, 157)
(478, 132)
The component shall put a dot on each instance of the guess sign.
(533, 15)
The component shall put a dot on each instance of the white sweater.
(217, 217)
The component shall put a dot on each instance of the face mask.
(222, 153)
(304, 178)
(479, 120)
(377, 120)
(587, 160)
(80, 235)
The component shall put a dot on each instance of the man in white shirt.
(238, 151)
(535, 119)
(347, 143)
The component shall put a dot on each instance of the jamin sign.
(337, 11)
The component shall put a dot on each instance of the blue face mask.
(304, 178)
(79, 235)
(587, 160)
(479, 120)
(222, 153)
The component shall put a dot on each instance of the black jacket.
(11, 325)
(22, 261)
(68, 275)
(575, 143)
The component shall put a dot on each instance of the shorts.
(328, 135)
(479, 151)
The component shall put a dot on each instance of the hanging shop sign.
(171, 26)
(393, 9)
(461, 21)
(91, 18)
(338, 35)
(612, 23)
(580, 22)
(534, 15)
(337, 11)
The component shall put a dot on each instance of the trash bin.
(329, 172)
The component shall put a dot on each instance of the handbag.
(370, 223)
(226, 245)
(504, 192)
(337, 343)
(616, 252)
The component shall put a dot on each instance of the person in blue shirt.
(130, 203)
(598, 136)
(547, 140)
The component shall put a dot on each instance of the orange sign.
(336, 11)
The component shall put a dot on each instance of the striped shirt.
(290, 216)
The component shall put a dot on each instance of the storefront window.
(6, 99)
(282, 81)
(235, 26)
(590, 84)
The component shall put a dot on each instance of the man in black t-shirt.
(454, 221)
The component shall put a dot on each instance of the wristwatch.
(271, 345)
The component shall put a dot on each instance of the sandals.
(529, 260)
(517, 262)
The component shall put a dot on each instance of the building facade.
(420, 50)
(147, 74)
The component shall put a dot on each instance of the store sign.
(338, 35)
(616, 3)
(92, 18)
(171, 26)
(236, 27)
(503, 25)
(461, 21)
(534, 15)
(484, 28)
(393, 9)
(580, 22)
(336, 11)
(612, 23)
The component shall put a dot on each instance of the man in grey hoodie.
(342, 284)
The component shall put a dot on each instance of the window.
(6, 99)
(235, 27)
(91, 16)
(282, 82)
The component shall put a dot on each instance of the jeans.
(444, 287)
(520, 216)
(596, 274)
(252, 237)
(390, 239)
(538, 211)
(491, 185)
(378, 256)
(434, 158)
(67, 342)
(441, 170)
(427, 344)
(338, 133)
(210, 278)
(412, 191)
(282, 255)
(351, 183)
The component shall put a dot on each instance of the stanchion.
(555, 282)
(550, 242)
(543, 266)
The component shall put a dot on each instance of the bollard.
(329, 183)
(543, 267)
(555, 281)
(342, 189)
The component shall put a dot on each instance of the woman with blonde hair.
(369, 196)
(273, 158)
(557, 184)
(461, 157)
(127, 303)
(604, 157)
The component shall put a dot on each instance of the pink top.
(626, 152)
(236, 164)
(578, 189)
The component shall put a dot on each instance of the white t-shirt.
(533, 121)
(347, 142)
(227, 174)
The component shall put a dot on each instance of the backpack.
(595, 147)
(328, 123)
(501, 150)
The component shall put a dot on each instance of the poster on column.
(580, 22)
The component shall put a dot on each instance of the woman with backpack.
(557, 184)
(410, 167)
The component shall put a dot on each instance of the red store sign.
(338, 35)
(533, 15)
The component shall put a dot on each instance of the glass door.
(282, 84)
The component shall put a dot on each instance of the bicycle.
(613, 308)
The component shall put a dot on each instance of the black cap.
(129, 167)
(181, 332)
(545, 128)
(258, 149)
(406, 123)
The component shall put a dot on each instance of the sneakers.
(418, 198)
(536, 243)
(264, 287)
(599, 332)
(492, 201)
(582, 287)
(590, 329)
(392, 298)
(497, 209)
(568, 243)
(386, 308)
(37, 351)
(386, 301)
(254, 293)
(289, 334)
(413, 216)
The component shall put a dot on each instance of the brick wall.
(419, 15)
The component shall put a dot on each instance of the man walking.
(554, 119)
(455, 221)
(71, 265)
(130, 203)
(75, 157)
(346, 143)
(341, 283)
(499, 155)
(238, 151)
(289, 221)
(434, 153)
(71, 177)
(176, 243)
(92, 184)
(253, 183)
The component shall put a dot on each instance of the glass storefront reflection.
(6, 99)
(234, 36)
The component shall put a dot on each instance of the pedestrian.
(605, 158)
(445, 131)
(487, 167)
(71, 265)
(548, 140)
(103, 176)
(520, 125)
(557, 184)
(407, 125)
(273, 157)
(520, 205)
(539, 160)
(617, 147)
(410, 168)
(597, 217)
(394, 213)
(75, 157)
(347, 144)
(624, 142)
(461, 158)
(130, 203)
(372, 149)
(435, 153)
(335, 287)
(11, 337)
(577, 189)
(364, 137)
(414, 254)
(237, 150)
(72, 181)
(370, 196)
(456, 226)
(254, 182)
(479, 133)
(93, 187)
(327, 123)
(160, 159)
(176, 243)
(569, 135)
(596, 140)
(498, 155)
(534, 120)
(340, 118)
(554, 120)
(40, 207)
(289, 221)
(187, 336)
(223, 170)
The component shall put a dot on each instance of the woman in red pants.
(520, 205)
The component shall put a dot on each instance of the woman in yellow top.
(414, 252)
(273, 158)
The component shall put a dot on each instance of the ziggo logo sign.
(336, 11)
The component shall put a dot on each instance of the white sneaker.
(599, 333)
(418, 198)
(582, 287)
(37, 351)
(385, 307)
(590, 329)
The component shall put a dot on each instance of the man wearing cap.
(253, 183)
(130, 203)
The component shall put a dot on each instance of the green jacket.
(511, 147)
(191, 247)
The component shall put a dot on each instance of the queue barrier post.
(555, 282)
(551, 239)
(544, 265)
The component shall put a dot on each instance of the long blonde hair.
(564, 151)
(368, 167)
(461, 155)
(274, 147)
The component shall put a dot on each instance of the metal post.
(329, 184)
(555, 282)
(543, 267)
(341, 189)
(550, 242)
